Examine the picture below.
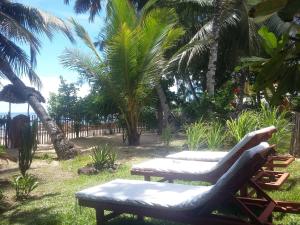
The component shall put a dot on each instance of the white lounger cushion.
(175, 166)
(208, 156)
(215, 156)
(146, 194)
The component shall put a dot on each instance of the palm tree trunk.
(213, 53)
(63, 147)
(133, 135)
(167, 118)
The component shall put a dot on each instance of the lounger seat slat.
(147, 194)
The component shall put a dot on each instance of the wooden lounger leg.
(100, 216)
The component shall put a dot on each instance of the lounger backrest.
(250, 140)
(236, 177)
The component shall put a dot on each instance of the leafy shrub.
(251, 120)
(215, 135)
(295, 103)
(246, 122)
(272, 116)
(196, 135)
(166, 135)
(103, 156)
(24, 185)
(28, 146)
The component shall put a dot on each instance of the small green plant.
(28, 146)
(166, 135)
(104, 156)
(246, 122)
(215, 136)
(272, 116)
(196, 135)
(24, 185)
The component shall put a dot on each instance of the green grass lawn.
(53, 202)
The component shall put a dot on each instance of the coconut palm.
(22, 25)
(133, 57)
(83, 6)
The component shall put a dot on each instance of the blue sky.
(48, 66)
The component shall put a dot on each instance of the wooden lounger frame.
(270, 180)
(264, 203)
(213, 176)
(280, 161)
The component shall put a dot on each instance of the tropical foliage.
(103, 157)
(21, 27)
(283, 61)
(24, 185)
(134, 58)
(28, 146)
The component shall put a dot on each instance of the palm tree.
(83, 6)
(22, 24)
(133, 57)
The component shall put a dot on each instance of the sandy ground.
(151, 146)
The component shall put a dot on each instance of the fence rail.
(70, 128)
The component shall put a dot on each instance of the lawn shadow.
(4, 184)
(132, 220)
(40, 197)
(37, 216)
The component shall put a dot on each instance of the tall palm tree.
(227, 31)
(83, 6)
(133, 57)
(22, 25)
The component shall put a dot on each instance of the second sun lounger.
(172, 169)
(215, 156)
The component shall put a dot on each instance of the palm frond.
(13, 30)
(86, 65)
(14, 55)
(84, 36)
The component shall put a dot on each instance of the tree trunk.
(295, 140)
(159, 119)
(213, 53)
(241, 94)
(133, 137)
(63, 147)
(167, 117)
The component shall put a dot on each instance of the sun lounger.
(184, 203)
(172, 169)
(214, 156)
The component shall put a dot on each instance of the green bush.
(24, 185)
(246, 122)
(196, 135)
(272, 116)
(295, 103)
(252, 120)
(166, 135)
(215, 135)
(104, 156)
(28, 146)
